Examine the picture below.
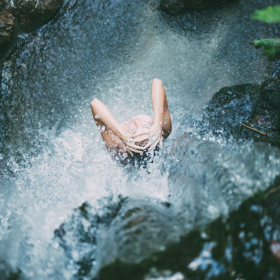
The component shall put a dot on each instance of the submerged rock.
(175, 7)
(243, 246)
(7, 24)
(257, 106)
(129, 230)
(33, 14)
(206, 181)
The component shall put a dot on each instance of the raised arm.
(161, 127)
(112, 133)
(160, 108)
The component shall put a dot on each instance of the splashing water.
(52, 157)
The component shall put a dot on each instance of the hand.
(129, 142)
(155, 137)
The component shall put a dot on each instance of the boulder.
(31, 14)
(257, 106)
(7, 24)
(247, 238)
(175, 7)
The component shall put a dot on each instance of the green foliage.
(270, 14)
(271, 47)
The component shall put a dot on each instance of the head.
(140, 125)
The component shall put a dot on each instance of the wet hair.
(145, 121)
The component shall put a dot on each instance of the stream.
(52, 158)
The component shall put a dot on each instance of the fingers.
(154, 145)
(135, 151)
(140, 138)
(130, 145)
(148, 145)
(137, 134)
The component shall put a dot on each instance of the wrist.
(157, 124)
(123, 136)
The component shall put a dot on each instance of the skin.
(116, 136)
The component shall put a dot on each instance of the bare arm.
(112, 133)
(160, 108)
(161, 127)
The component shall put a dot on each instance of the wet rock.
(7, 24)
(128, 230)
(245, 245)
(142, 227)
(78, 235)
(8, 273)
(133, 235)
(267, 113)
(32, 14)
(175, 7)
(230, 106)
(257, 106)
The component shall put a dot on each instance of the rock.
(175, 7)
(257, 106)
(120, 238)
(7, 24)
(230, 106)
(267, 113)
(8, 273)
(32, 14)
(128, 230)
(248, 237)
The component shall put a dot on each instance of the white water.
(52, 156)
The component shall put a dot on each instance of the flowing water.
(52, 158)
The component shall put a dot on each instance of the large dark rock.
(243, 246)
(176, 7)
(32, 14)
(128, 230)
(7, 24)
(257, 106)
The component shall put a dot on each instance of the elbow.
(94, 103)
(157, 81)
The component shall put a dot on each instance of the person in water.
(139, 134)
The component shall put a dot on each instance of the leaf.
(270, 14)
(271, 47)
